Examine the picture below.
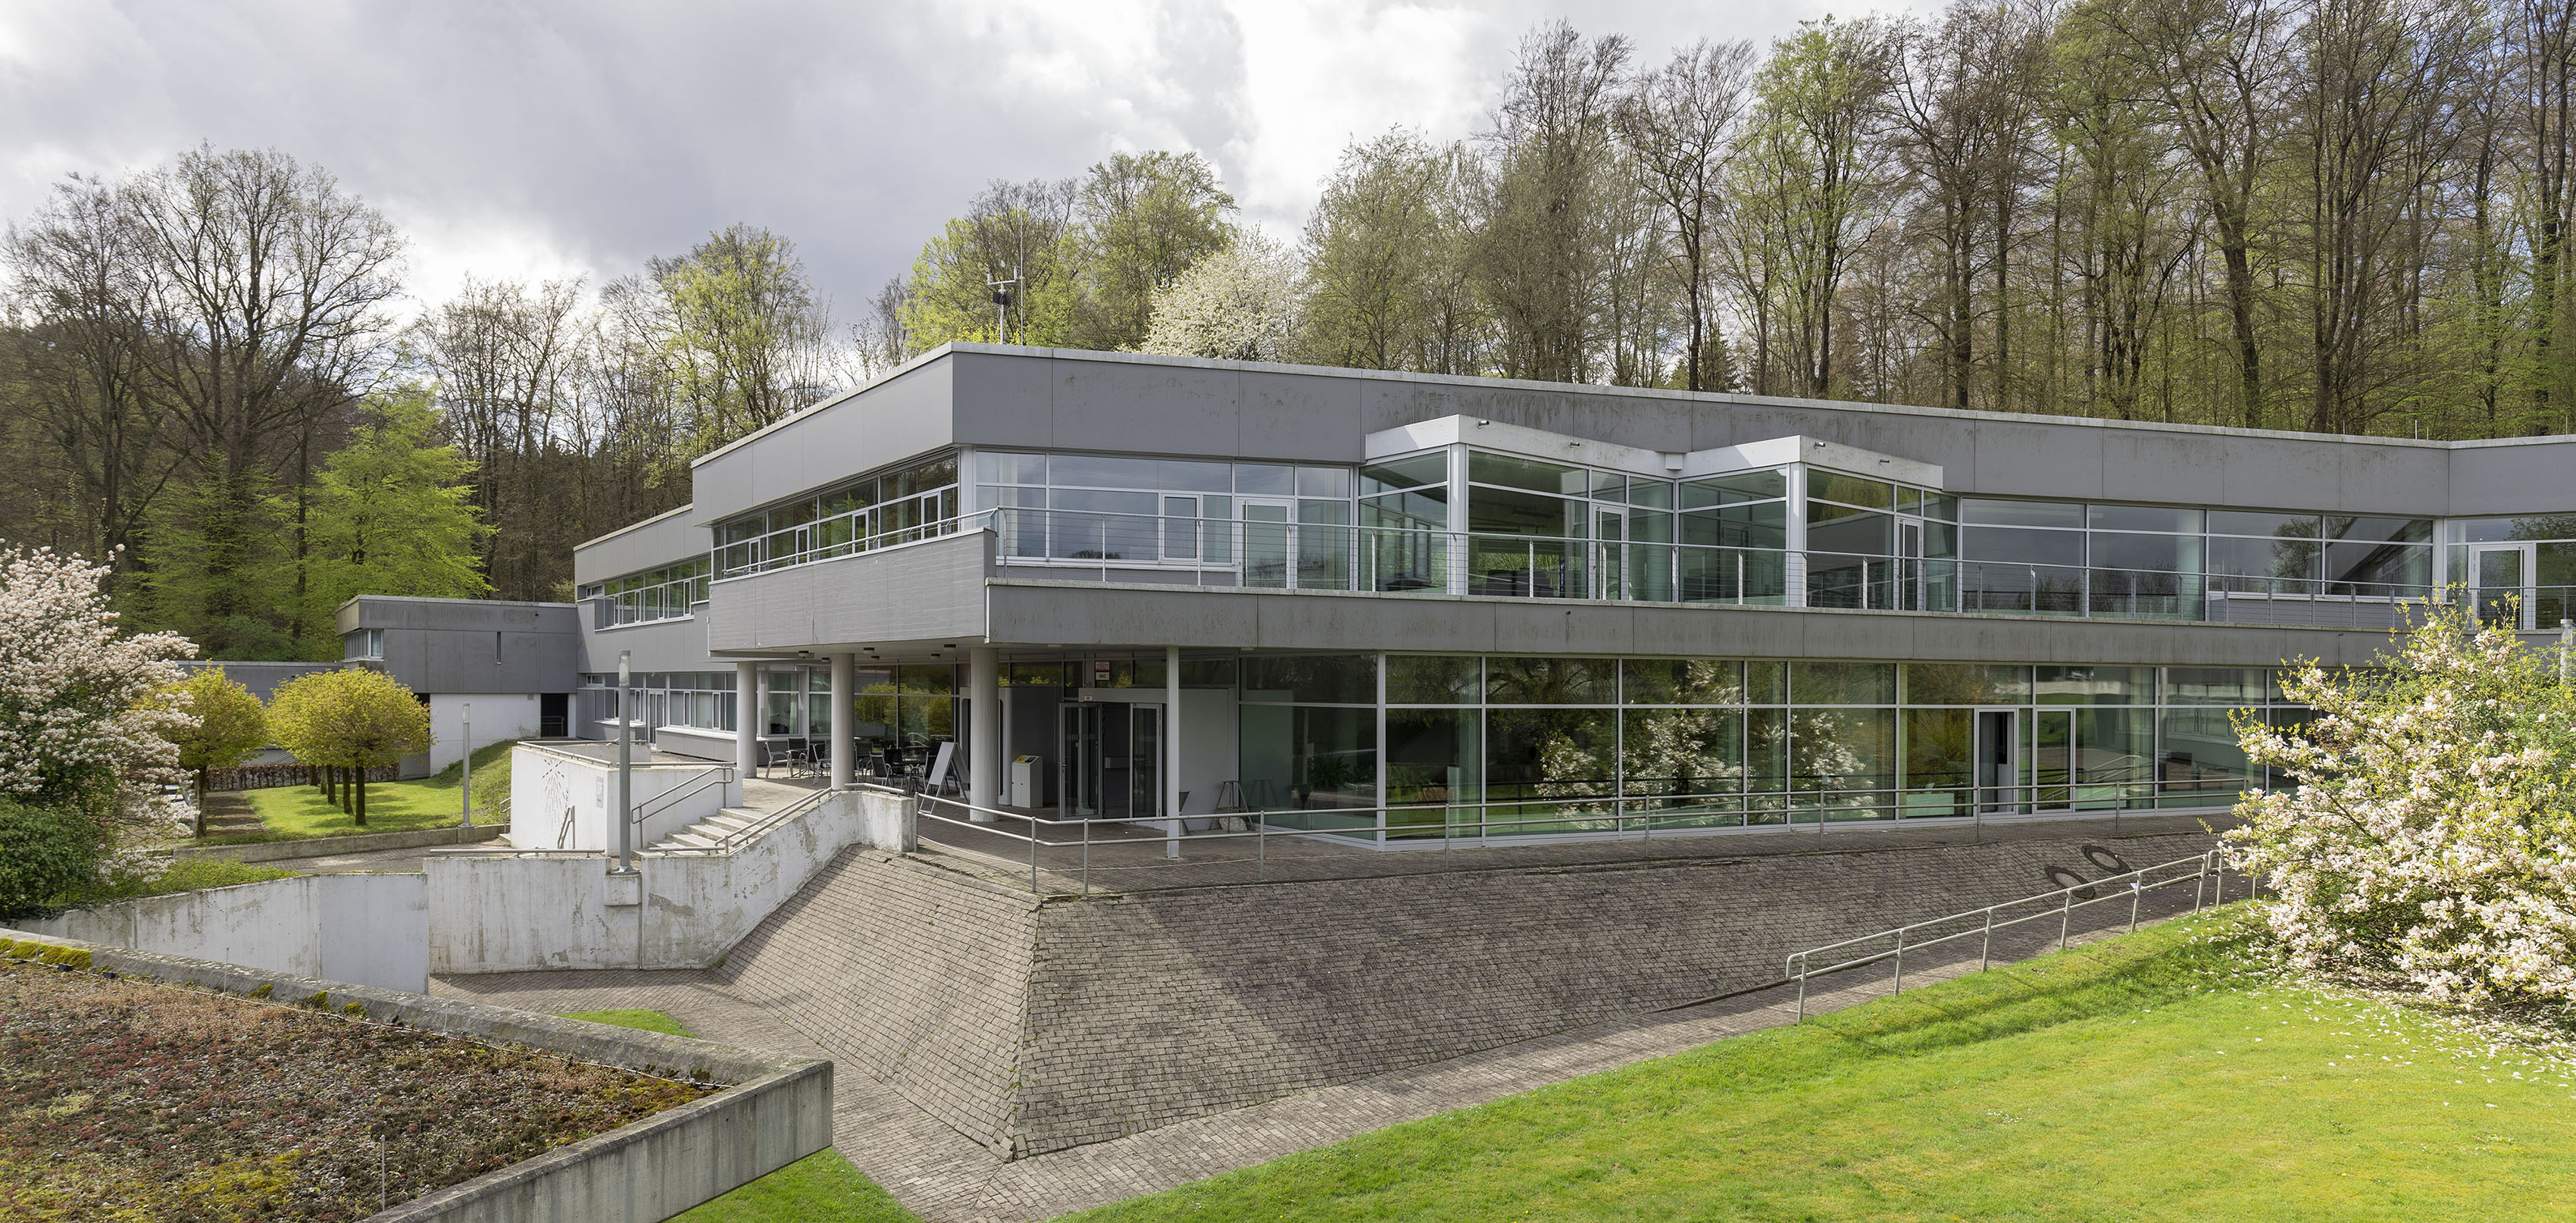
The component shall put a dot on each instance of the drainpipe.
(467, 717)
(1172, 749)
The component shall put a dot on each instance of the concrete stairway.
(711, 831)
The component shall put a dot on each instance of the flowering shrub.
(81, 722)
(2428, 837)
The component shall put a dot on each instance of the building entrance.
(1110, 766)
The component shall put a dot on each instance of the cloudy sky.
(579, 137)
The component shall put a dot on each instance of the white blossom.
(82, 719)
(2428, 835)
(1243, 303)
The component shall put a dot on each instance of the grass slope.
(288, 813)
(820, 1188)
(650, 1021)
(2150, 1077)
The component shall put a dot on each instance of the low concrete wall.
(369, 928)
(506, 912)
(774, 1111)
(360, 843)
(546, 785)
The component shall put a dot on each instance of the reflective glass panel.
(1551, 681)
(1683, 681)
(1419, 679)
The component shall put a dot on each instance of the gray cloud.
(581, 137)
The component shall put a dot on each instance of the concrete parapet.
(773, 1111)
(368, 928)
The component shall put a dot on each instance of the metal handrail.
(1270, 825)
(1799, 966)
(1305, 556)
(735, 839)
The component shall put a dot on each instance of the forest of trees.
(2336, 215)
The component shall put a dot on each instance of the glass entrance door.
(1909, 565)
(1998, 756)
(1609, 531)
(1078, 761)
(1144, 761)
(2500, 583)
(1111, 766)
(1268, 542)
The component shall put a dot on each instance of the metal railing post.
(1900, 963)
(1802, 988)
(1986, 949)
(1086, 857)
(2063, 913)
(2134, 893)
(1033, 850)
(1261, 844)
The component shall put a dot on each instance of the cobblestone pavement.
(1121, 857)
(947, 1178)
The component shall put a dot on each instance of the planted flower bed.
(121, 1100)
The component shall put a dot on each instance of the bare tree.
(1677, 123)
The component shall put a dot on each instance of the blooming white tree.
(2428, 837)
(1243, 303)
(82, 722)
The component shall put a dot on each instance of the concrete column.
(746, 717)
(983, 729)
(845, 740)
(1172, 750)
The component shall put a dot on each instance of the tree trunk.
(201, 803)
(361, 787)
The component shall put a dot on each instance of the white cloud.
(583, 136)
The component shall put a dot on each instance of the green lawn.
(2141, 1078)
(820, 1188)
(185, 875)
(650, 1021)
(288, 813)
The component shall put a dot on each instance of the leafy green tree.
(1145, 218)
(351, 720)
(45, 851)
(1017, 231)
(741, 337)
(1388, 285)
(228, 726)
(393, 514)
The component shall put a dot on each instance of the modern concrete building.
(1140, 588)
(515, 664)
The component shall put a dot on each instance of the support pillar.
(845, 739)
(983, 729)
(746, 718)
(1172, 750)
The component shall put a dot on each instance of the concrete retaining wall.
(368, 928)
(547, 786)
(1035, 1026)
(504, 912)
(774, 1111)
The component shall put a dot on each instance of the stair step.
(692, 840)
(729, 823)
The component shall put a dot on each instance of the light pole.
(625, 759)
(467, 718)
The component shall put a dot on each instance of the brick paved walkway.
(946, 1177)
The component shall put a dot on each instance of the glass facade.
(666, 593)
(914, 501)
(1504, 746)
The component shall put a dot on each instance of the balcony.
(1294, 556)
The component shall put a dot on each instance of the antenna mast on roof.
(1002, 302)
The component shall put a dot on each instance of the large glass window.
(653, 594)
(918, 500)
